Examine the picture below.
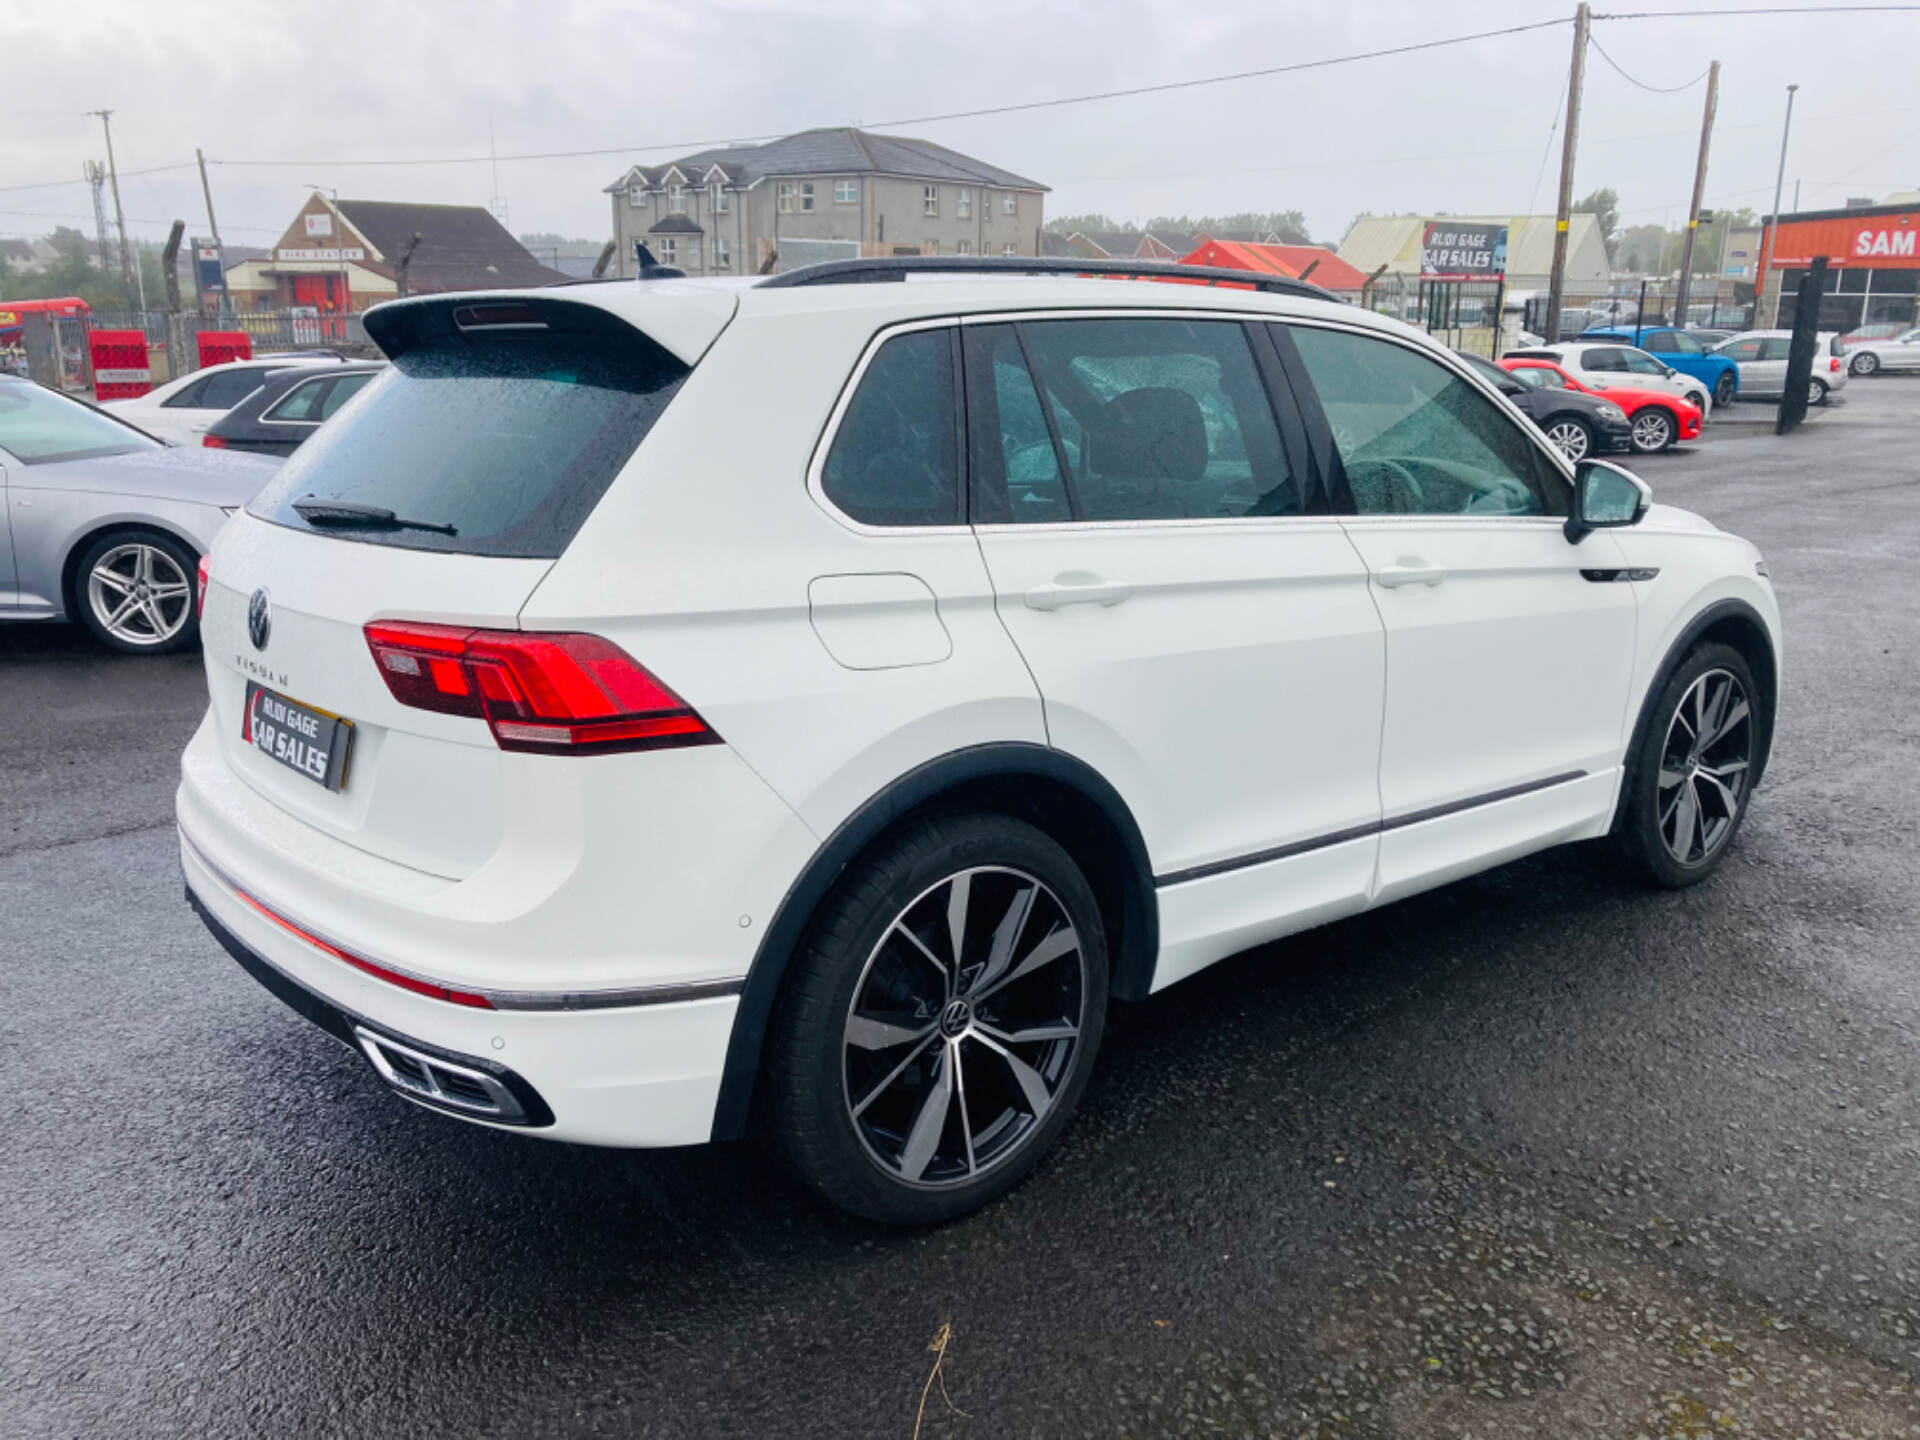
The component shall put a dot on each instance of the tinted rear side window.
(509, 439)
(896, 457)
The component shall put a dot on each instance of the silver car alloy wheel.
(1651, 431)
(1866, 363)
(1704, 766)
(1569, 437)
(963, 1027)
(139, 594)
(1816, 392)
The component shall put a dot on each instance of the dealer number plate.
(307, 741)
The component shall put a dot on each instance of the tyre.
(1698, 400)
(1865, 363)
(1816, 392)
(1724, 389)
(134, 590)
(1653, 430)
(1571, 436)
(1689, 778)
(938, 1024)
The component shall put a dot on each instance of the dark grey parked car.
(289, 407)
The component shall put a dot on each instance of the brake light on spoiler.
(545, 692)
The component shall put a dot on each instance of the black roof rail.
(881, 269)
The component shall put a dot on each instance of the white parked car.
(657, 703)
(1896, 352)
(1600, 364)
(1761, 358)
(181, 410)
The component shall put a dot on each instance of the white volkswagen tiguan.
(666, 705)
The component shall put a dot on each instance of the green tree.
(1604, 206)
(1084, 224)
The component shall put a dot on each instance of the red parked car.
(1657, 420)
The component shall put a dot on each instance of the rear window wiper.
(316, 511)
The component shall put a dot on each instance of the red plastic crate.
(121, 369)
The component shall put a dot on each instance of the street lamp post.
(1773, 227)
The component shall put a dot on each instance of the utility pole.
(1556, 281)
(129, 272)
(213, 227)
(96, 174)
(1699, 186)
(1773, 221)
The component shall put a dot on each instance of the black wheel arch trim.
(1132, 960)
(1713, 615)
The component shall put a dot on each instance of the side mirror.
(1605, 497)
(1671, 372)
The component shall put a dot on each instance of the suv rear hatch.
(441, 497)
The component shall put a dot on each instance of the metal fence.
(1488, 319)
(175, 335)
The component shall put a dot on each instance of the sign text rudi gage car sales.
(1451, 251)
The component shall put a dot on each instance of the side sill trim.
(1361, 832)
(670, 994)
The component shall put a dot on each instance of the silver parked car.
(1873, 354)
(1761, 357)
(105, 524)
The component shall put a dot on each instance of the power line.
(124, 175)
(1020, 108)
(1655, 89)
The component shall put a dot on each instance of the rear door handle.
(1412, 572)
(1076, 590)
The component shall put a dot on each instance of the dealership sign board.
(289, 255)
(1453, 251)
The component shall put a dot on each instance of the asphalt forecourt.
(1537, 1154)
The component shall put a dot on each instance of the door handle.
(1076, 589)
(1409, 572)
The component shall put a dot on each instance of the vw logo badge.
(955, 1018)
(259, 619)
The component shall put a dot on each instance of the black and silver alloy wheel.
(1724, 388)
(134, 591)
(1704, 767)
(1652, 430)
(936, 1029)
(1697, 753)
(1570, 438)
(963, 1025)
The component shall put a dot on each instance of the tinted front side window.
(1644, 364)
(896, 457)
(1416, 439)
(1660, 344)
(509, 439)
(1604, 358)
(1162, 419)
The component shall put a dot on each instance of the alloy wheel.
(1866, 364)
(1651, 431)
(1570, 438)
(139, 594)
(963, 1027)
(1704, 766)
(1816, 392)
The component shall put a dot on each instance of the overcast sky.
(1463, 129)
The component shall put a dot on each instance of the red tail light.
(540, 691)
(200, 589)
(214, 442)
(1833, 365)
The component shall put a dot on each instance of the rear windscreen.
(507, 440)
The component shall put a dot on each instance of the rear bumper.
(633, 1076)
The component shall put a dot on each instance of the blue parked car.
(1680, 351)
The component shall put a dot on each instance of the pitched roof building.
(1311, 263)
(818, 195)
(350, 254)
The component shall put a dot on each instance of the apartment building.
(821, 195)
